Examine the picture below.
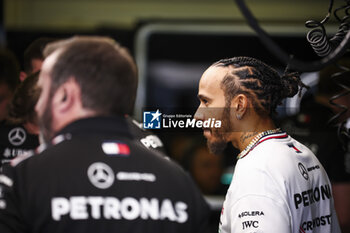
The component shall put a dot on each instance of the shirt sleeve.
(10, 217)
(257, 214)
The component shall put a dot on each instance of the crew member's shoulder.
(155, 158)
(30, 158)
(143, 136)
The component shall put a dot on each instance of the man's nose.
(199, 114)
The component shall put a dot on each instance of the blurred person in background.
(19, 132)
(206, 168)
(33, 57)
(9, 79)
(94, 176)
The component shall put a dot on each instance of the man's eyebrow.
(201, 97)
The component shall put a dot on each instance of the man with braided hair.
(278, 184)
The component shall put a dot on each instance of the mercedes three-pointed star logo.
(303, 171)
(17, 136)
(101, 175)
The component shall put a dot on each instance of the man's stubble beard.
(218, 146)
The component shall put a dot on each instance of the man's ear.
(67, 98)
(22, 76)
(240, 105)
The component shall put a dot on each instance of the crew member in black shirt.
(94, 176)
(19, 132)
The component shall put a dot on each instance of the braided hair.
(259, 82)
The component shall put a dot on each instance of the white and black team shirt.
(280, 186)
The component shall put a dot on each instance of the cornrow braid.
(260, 82)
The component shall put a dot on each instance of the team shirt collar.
(261, 137)
(106, 125)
